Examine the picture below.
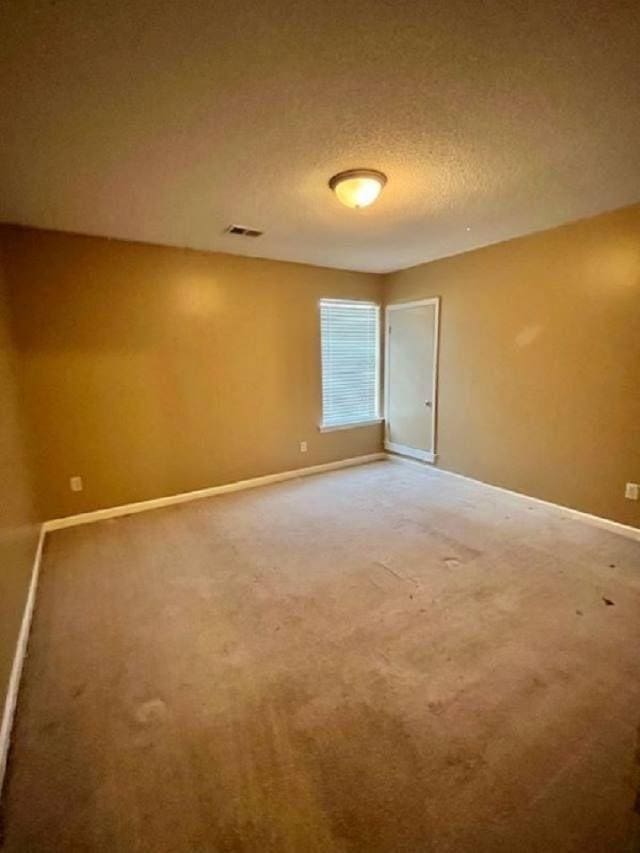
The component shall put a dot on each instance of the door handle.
(427, 403)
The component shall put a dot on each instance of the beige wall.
(18, 530)
(150, 371)
(540, 362)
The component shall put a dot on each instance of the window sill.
(353, 425)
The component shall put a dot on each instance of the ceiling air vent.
(242, 231)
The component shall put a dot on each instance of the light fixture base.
(358, 187)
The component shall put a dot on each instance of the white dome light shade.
(358, 187)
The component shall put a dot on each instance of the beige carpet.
(375, 659)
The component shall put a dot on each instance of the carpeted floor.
(376, 659)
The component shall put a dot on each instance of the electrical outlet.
(632, 491)
(75, 484)
(303, 447)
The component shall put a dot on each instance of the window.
(350, 334)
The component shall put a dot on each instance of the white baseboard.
(156, 503)
(18, 660)
(594, 520)
(402, 450)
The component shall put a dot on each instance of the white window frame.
(378, 419)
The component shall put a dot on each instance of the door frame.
(424, 455)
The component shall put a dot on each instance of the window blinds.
(350, 333)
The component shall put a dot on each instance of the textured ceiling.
(166, 120)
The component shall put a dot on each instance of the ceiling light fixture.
(358, 187)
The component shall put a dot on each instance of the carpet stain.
(153, 711)
(395, 574)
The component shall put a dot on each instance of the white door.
(411, 377)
